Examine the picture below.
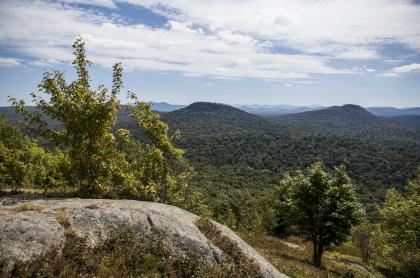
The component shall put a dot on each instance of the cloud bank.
(224, 39)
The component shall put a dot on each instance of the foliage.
(24, 164)
(323, 206)
(237, 209)
(400, 227)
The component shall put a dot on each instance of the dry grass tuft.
(63, 218)
(26, 207)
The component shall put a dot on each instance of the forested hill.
(352, 121)
(346, 116)
(393, 112)
(407, 120)
(209, 119)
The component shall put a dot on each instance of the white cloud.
(6, 62)
(388, 74)
(44, 62)
(357, 54)
(406, 68)
(224, 39)
(397, 71)
(45, 31)
(305, 82)
(342, 28)
(362, 70)
(101, 3)
(288, 85)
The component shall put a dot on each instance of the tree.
(323, 206)
(366, 236)
(85, 118)
(25, 164)
(159, 165)
(400, 227)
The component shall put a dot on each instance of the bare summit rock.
(30, 226)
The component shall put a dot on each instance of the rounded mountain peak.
(209, 107)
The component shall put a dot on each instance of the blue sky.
(299, 52)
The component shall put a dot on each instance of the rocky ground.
(31, 225)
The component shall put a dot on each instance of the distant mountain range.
(166, 107)
(393, 112)
(282, 109)
(277, 109)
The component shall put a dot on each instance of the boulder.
(31, 225)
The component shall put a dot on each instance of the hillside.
(393, 112)
(352, 121)
(335, 117)
(407, 120)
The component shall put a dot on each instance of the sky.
(301, 52)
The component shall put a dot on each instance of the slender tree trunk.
(320, 253)
(317, 253)
(164, 185)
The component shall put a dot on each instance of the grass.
(232, 254)
(63, 218)
(26, 207)
(344, 261)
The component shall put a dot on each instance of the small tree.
(366, 238)
(323, 207)
(25, 164)
(85, 118)
(160, 166)
(400, 228)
